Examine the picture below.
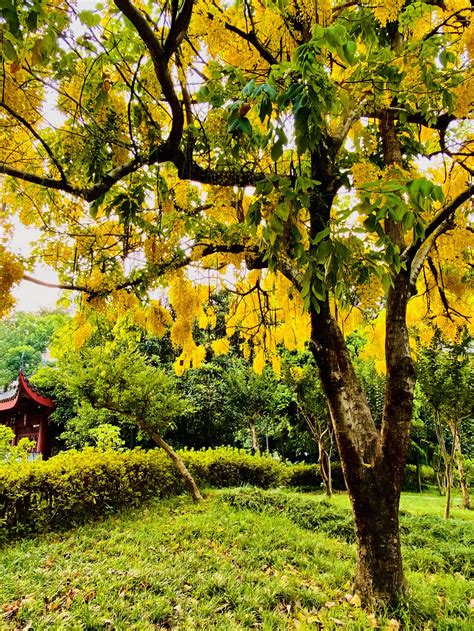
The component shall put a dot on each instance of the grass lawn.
(222, 565)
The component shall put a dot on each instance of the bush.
(410, 483)
(74, 487)
(308, 476)
(225, 466)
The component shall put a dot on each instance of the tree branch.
(160, 57)
(411, 251)
(252, 38)
(34, 133)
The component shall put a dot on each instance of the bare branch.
(34, 133)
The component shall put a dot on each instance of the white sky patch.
(32, 297)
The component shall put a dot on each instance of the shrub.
(224, 467)
(74, 487)
(308, 476)
(410, 483)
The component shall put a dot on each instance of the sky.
(30, 297)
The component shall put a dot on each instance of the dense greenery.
(24, 337)
(172, 564)
(76, 486)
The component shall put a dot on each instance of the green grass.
(418, 504)
(174, 565)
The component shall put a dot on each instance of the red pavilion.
(26, 411)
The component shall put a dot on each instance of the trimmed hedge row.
(75, 487)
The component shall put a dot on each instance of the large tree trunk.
(373, 461)
(178, 463)
(373, 473)
(379, 574)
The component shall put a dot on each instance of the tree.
(280, 138)
(24, 337)
(313, 408)
(447, 379)
(260, 401)
(119, 380)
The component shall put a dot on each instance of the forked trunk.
(373, 484)
(324, 462)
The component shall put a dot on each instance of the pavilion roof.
(24, 389)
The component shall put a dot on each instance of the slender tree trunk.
(418, 478)
(449, 484)
(325, 468)
(466, 500)
(445, 486)
(255, 445)
(178, 463)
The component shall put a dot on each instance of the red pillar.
(42, 436)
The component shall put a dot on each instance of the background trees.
(246, 154)
(24, 337)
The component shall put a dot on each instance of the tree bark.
(466, 500)
(255, 445)
(324, 462)
(178, 463)
(449, 484)
(373, 482)
(379, 574)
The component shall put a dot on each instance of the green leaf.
(277, 149)
(276, 224)
(89, 18)
(9, 51)
(349, 50)
(245, 126)
(408, 220)
(321, 235)
(32, 20)
(283, 210)
(386, 280)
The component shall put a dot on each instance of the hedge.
(75, 487)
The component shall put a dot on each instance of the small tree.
(312, 407)
(125, 384)
(259, 399)
(446, 376)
